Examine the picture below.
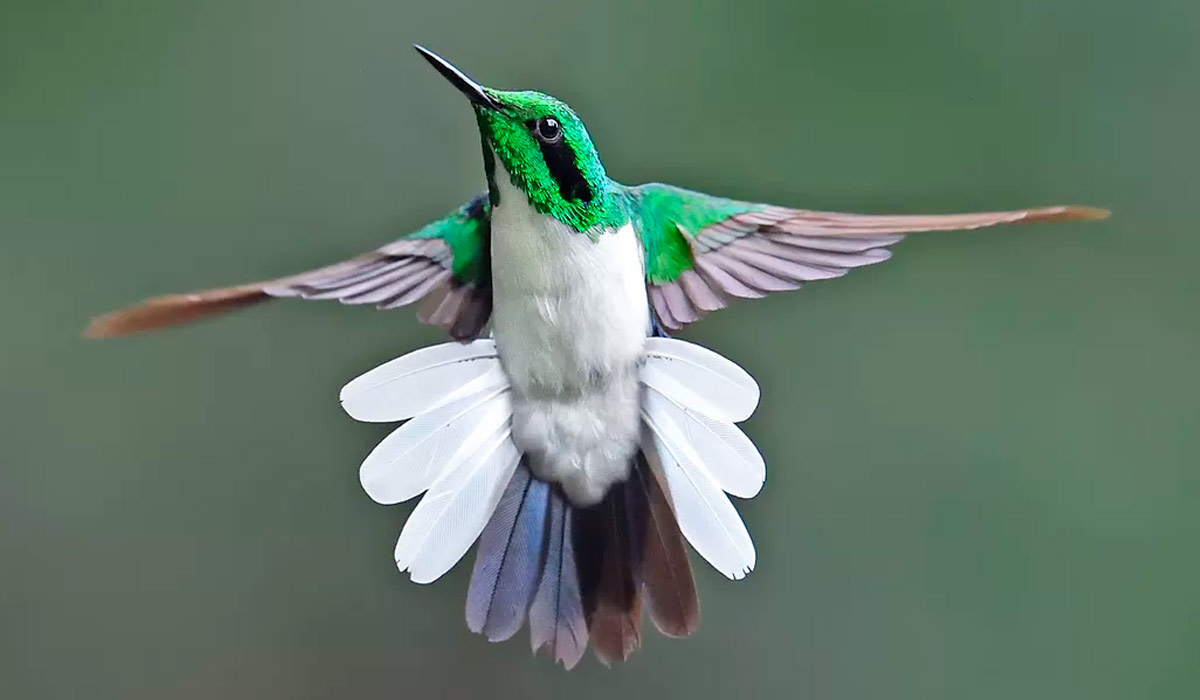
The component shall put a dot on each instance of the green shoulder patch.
(663, 215)
(467, 232)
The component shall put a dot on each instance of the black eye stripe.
(560, 160)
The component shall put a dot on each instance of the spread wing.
(703, 251)
(446, 262)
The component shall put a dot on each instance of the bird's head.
(543, 146)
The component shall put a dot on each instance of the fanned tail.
(580, 574)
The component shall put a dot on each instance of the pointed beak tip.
(435, 60)
(467, 86)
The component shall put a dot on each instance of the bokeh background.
(983, 479)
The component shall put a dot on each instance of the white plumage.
(728, 455)
(570, 320)
(409, 460)
(707, 519)
(459, 446)
(454, 512)
(702, 380)
(408, 385)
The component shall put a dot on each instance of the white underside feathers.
(402, 388)
(700, 379)
(707, 519)
(409, 460)
(729, 456)
(456, 508)
(458, 448)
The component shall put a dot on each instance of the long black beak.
(473, 90)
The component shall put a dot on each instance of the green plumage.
(663, 215)
(466, 231)
(508, 133)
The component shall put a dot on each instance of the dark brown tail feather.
(616, 616)
(667, 580)
(626, 548)
(172, 309)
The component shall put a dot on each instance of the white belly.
(570, 318)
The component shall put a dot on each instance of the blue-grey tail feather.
(556, 619)
(579, 574)
(525, 567)
(509, 559)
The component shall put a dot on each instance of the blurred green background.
(982, 455)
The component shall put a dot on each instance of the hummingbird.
(562, 428)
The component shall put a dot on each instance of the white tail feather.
(459, 447)
(699, 379)
(728, 455)
(409, 460)
(707, 519)
(402, 388)
(454, 512)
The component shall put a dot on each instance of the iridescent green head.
(545, 149)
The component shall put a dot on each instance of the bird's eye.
(548, 129)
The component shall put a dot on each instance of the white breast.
(570, 318)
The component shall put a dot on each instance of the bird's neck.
(603, 210)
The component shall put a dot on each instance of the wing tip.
(170, 310)
(103, 326)
(150, 314)
(1072, 213)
